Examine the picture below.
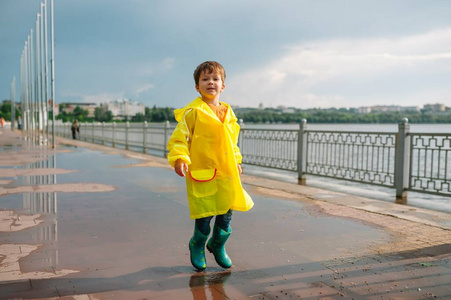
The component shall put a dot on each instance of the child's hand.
(180, 167)
(240, 170)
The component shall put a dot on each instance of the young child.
(203, 148)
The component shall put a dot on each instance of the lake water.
(437, 128)
(428, 201)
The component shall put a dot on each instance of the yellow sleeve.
(178, 144)
(236, 134)
(238, 155)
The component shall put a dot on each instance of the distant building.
(438, 107)
(411, 108)
(364, 110)
(286, 110)
(56, 108)
(70, 106)
(386, 108)
(122, 108)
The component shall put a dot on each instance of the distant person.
(75, 128)
(19, 123)
(204, 144)
(2, 122)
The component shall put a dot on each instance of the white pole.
(36, 79)
(33, 93)
(22, 93)
(46, 75)
(38, 76)
(42, 74)
(26, 87)
(29, 89)
(23, 86)
(13, 102)
(52, 21)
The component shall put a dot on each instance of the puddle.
(135, 238)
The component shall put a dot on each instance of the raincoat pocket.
(204, 182)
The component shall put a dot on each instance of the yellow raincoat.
(209, 147)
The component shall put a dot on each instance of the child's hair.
(210, 67)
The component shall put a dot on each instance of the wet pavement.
(85, 221)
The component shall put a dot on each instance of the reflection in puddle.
(214, 282)
(39, 213)
(29, 220)
(40, 202)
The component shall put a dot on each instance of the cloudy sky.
(299, 53)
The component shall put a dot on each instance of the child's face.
(210, 85)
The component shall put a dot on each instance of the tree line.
(5, 111)
(101, 114)
(253, 115)
(339, 116)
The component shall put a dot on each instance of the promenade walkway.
(86, 221)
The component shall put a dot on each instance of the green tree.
(80, 114)
(139, 117)
(6, 111)
(101, 114)
(148, 114)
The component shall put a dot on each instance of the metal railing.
(135, 136)
(419, 162)
(357, 156)
(430, 163)
(270, 148)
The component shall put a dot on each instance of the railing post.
(240, 136)
(165, 142)
(302, 152)
(113, 143)
(103, 135)
(127, 126)
(402, 159)
(92, 133)
(145, 137)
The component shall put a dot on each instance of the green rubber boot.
(216, 245)
(197, 249)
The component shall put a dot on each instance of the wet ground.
(90, 222)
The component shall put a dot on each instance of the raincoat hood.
(199, 104)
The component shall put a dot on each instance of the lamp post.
(46, 63)
(34, 81)
(13, 102)
(52, 64)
